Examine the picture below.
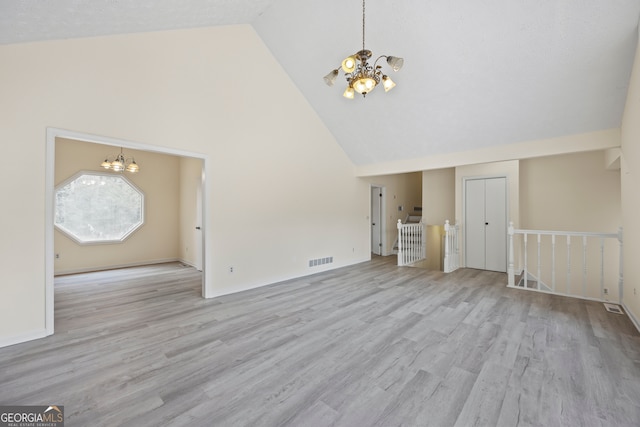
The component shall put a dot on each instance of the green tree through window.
(93, 207)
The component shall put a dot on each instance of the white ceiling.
(476, 74)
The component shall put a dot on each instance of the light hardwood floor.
(367, 345)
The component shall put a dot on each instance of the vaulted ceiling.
(476, 74)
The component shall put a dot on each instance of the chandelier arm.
(378, 59)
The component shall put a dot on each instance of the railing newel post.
(510, 271)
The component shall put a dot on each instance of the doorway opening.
(50, 165)
(378, 223)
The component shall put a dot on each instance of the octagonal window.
(92, 207)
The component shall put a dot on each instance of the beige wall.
(280, 190)
(630, 177)
(155, 241)
(190, 239)
(439, 196)
(438, 205)
(572, 192)
(400, 190)
(592, 141)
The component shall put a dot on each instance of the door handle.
(373, 223)
(486, 223)
(197, 228)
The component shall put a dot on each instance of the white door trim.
(50, 157)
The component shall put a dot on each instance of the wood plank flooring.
(367, 345)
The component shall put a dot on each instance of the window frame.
(72, 236)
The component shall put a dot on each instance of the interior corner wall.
(156, 241)
(280, 191)
(630, 177)
(403, 192)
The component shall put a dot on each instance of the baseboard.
(633, 318)
(24, 337)
(189, 263)
(115, 267)
(222, 292)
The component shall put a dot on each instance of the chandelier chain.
(363, 24)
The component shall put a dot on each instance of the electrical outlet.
(606, 291)
(57, 256)
(230, 269)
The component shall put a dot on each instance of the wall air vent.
(320, 261)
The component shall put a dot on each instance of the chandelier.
(119, 163)
(361, 76)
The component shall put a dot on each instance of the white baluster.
(553, 262)
(526, 269)
(539, 266)
(602, 267)
(510, 272)
(400, 260)
(423, 240)
(584, 266)
(568, 263)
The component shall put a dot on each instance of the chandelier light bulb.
(348, 93)
(387, 83)
(349, 64)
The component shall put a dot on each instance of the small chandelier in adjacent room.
(361, 76)
(119, 163)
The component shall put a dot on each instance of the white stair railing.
(411, 243)
(451, 247)
(581, 269)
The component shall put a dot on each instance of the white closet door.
(474, 229)
(485, 225)
(496, 224)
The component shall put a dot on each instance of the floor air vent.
(613, 308)
(320, 261)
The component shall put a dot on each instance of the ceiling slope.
(476, 74)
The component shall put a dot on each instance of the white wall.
(280, 190)
(155, 241)
(630, 176)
